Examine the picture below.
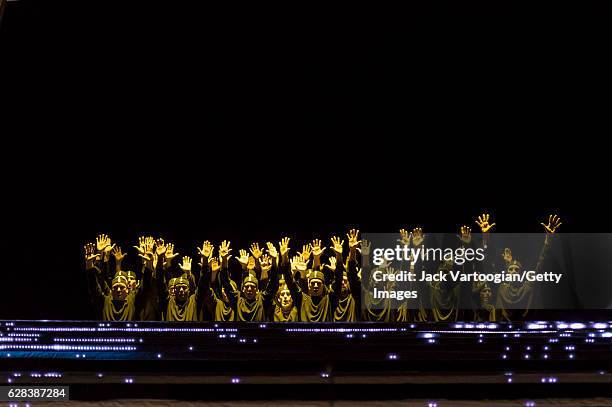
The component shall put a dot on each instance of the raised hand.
(117, 254)
(317, 250)
(186, 264)
(141, 245)
(101, 242)
(417, 237)
(298, 264)
(266, 263)
(243, 258)
(256, 251)
(160, 247)
(170, 253)
(483, 222)
(332, 264)
(553, 224)
(337, 244)
(272, 250)
(366, 248)
(466, 234)
(214, 265)
(284, 246)
(149, 244)
(306, 252)
(90, 255)
(507, 255)
(206, 250)
(353, 239)
(224, 250)
(250, 263)
(404, 237)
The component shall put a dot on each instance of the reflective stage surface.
(367, 360)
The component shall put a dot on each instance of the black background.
(251, 122)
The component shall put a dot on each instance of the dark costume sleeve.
(229, 290)
(162, 287)
(103, 283)
(107, 274)
(202, 289)
(271, 287)
(95, 292)
(150, 310)
(334, 292)
(141, 297)
(354, 282)
(294, 288)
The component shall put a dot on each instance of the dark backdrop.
(202, 122)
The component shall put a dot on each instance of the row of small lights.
(21, 334)
(68, 347)
(121, 340)
(118, 329)
(341, 330)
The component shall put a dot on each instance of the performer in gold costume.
(250, 303)
(514, 298)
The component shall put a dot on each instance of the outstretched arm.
(485, 228)
(227, 286)
(285, 267)
(270, 271)
(337, 246)
(553, 224)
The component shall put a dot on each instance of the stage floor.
(102, 360)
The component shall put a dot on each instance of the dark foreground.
(450, 364)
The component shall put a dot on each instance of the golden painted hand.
(266, 263)
(170, 252)
(214, 265)
(119, 256)
(553, 224)
(243, 258)
(90, 255)
(507, 255)
(417, 237)
(251, 263)
(466, 234)
(337, 244)
(298, 264)
(141, 245)
(404, 237)
(102, 243)
(483, 222)
(306, 252)
(366, 248)
(317, 250)
(284, 246)
(256, 251)
(160, 247)
(353, 239)
(224, 250)
(332, 264)
(186, 264)
(206, 250)
(272, 250)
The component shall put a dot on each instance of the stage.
(111, 360)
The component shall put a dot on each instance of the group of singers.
(273, 284)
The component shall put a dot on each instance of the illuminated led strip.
(68, 347)
(22, 334)
(493, 333)
(341, 330)
(94, 339)
(127, 329)
(15, 339)
(20, 328)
